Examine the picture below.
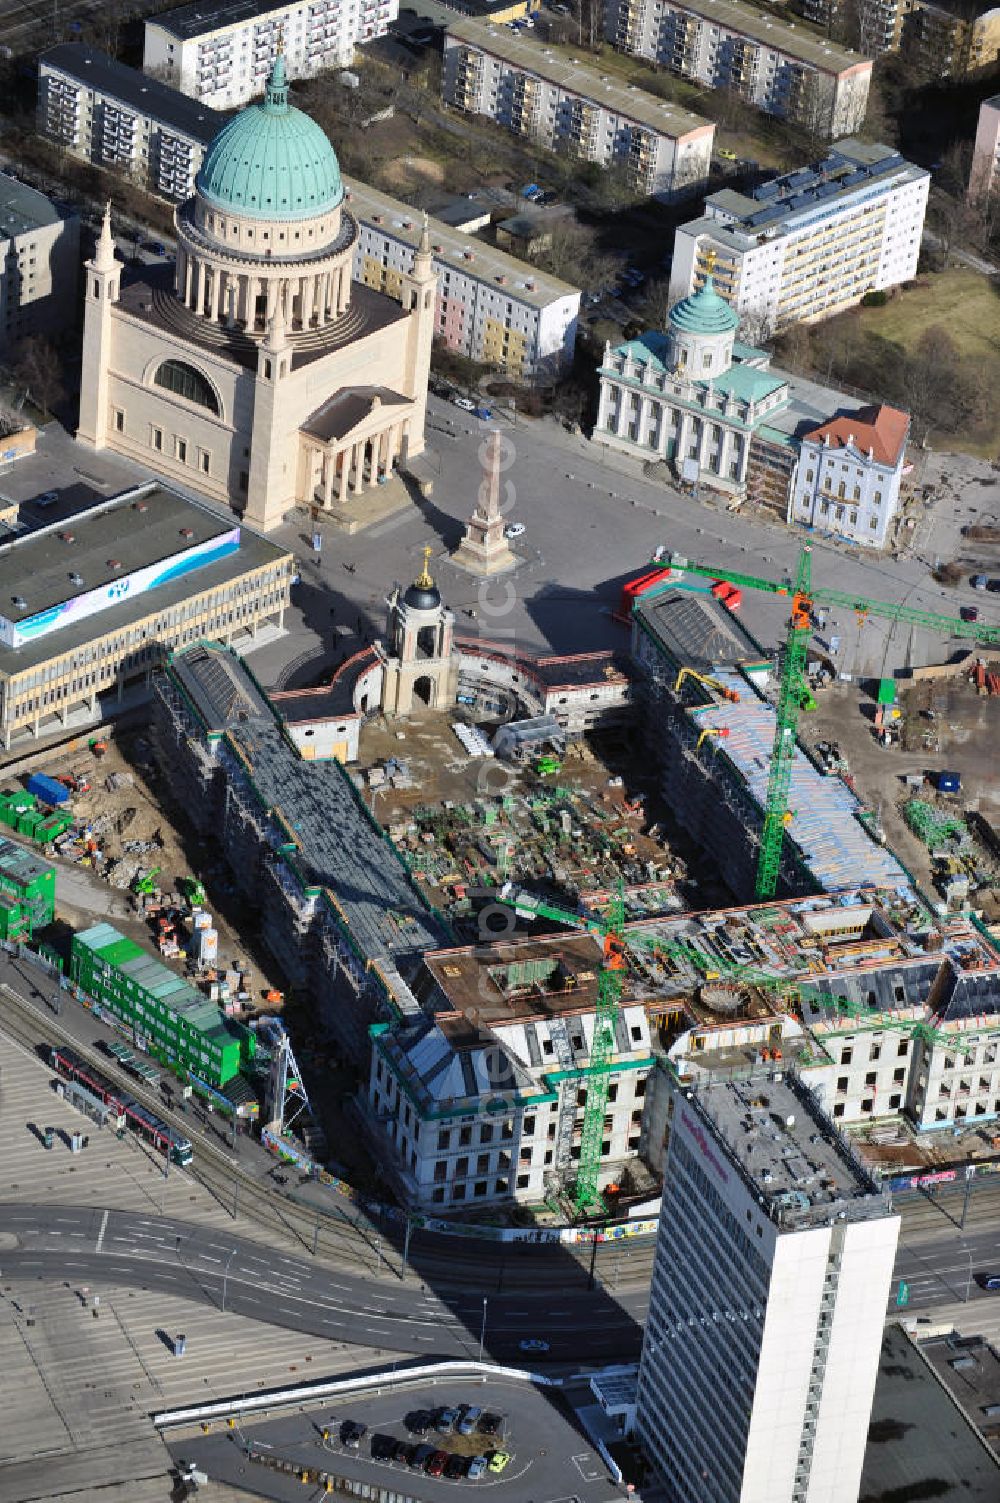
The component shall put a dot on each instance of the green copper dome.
(271, 161)
(704, 312)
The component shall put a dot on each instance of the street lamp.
(482, 1330)
(225, 1276)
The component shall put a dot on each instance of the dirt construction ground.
(946, 725)
(136, 832)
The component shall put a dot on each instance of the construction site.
(576, 827)
(506, 949)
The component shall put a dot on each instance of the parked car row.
(465, 1419)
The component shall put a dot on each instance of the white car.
(464, 403)
(514, 530)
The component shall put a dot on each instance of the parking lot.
(546, 1454)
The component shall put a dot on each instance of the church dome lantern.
(702, 329)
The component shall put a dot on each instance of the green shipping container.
(177, 1023)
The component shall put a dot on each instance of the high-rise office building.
(772, 1271)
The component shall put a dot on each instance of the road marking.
(100, 1237)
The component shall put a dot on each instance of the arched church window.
(184, 381)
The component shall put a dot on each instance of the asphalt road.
(100, 1248)
(940, 1263)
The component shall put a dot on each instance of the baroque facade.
(254, 369)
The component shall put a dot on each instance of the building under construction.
(482, 1099)
(337, 907)
(711, 729)
(884, 1011)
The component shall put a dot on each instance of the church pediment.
(355, 412)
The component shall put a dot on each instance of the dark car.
(456, 1466)
(419, 1421)
(420, 1456)
(351, 1432)
(969, 613)
(491, 1424)
(469, 1419)
(402, 1451)
(383, 1447)
(437, 1463)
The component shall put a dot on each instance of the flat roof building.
(810, 243)
(785, 69)
(488, 306)
(657, 148)
(116, 117)
(221, 52)
(93, 601)
(986, 152)
(39, 263)
(771, 1276)
(121, 119)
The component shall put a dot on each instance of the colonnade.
(310, 300)
(344, 472)
(677, 424)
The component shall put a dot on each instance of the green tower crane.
(793, 688)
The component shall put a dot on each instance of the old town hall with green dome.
(254, 369)
(716, 413)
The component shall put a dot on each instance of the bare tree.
(38, 367)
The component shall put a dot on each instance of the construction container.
(206, 943)
(30, 881)
(181, 1027)
(948, 782)
(47, 789)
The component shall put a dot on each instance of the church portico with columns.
(254, 369)
(353, 442)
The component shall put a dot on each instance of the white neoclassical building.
(255, 370)
(691, 393)
(718, 414)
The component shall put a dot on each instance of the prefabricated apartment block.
(221, 52)
(169, 1017)
(783, 69)
(810, 243)
(489, 305)
(657, 148)
(107, 113)
(773, 1264)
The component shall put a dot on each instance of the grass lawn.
(961, 300)
(965, 303)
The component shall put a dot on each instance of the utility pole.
(970, 1175)
(406, 1246)
(225, 1276)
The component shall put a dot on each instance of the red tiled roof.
(881, 429)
